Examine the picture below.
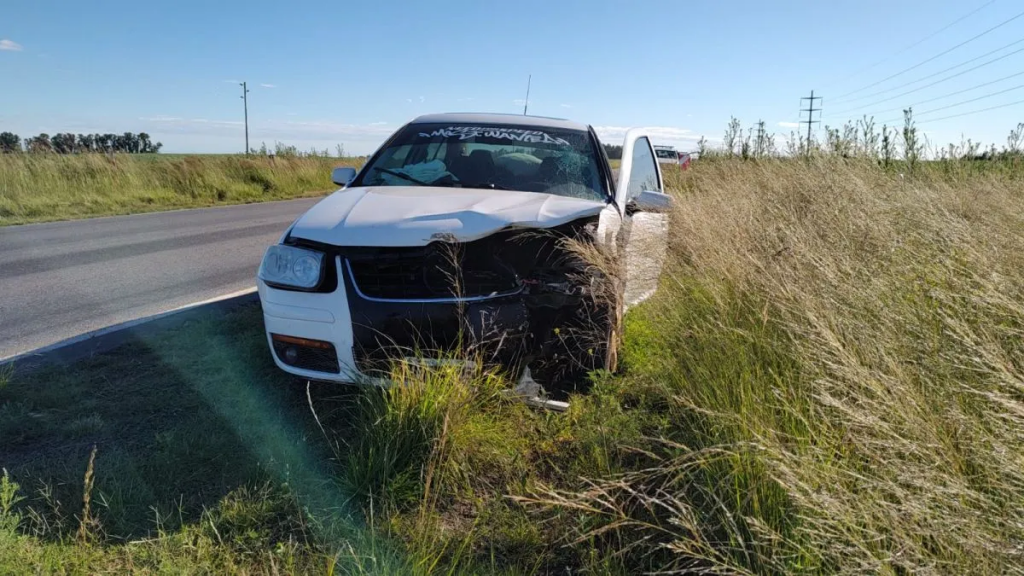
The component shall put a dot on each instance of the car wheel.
(588, 343)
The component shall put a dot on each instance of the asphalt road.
(63, 279)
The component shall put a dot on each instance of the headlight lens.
(292, 266)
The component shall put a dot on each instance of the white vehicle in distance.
(669, 155)
(453, 236)
(666, 154)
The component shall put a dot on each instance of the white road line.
(234, 294)
(124, 325)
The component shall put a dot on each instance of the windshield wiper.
(401, 175)
(485, 186)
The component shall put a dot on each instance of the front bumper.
(366, 333)
(316, 316)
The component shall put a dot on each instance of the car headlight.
(291, 266)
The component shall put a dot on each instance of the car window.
(492, 156)
(665, 153)
(435, 150)
(398, 156)
(644, 173)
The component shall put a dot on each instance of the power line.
(947, 95)
(971, 100)
(967, 113)
(934, 74)
(940, 54)
(796, 116)
(939, 81)
(922, 40)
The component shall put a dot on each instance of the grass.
(840, 348)
(829, 380)
(173, 425)
(44, 187)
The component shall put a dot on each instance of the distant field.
(37, 188)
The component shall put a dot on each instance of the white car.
(453, 236)
(666, 154)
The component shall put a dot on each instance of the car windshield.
(665, 153)
(491, 156)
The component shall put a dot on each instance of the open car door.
(644, 206)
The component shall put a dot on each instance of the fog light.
(305, 353)
(291, 355)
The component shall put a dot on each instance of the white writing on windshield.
(513, 134)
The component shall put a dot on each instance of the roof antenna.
(527, 101)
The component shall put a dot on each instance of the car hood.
(417, 215)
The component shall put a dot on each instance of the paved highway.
(62, 279)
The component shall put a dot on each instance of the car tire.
(595, 346)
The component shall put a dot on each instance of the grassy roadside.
(43, 187)
(201, 446)
(829, 380)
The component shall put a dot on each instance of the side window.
(644, 174)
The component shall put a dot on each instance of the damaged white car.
(468, 232)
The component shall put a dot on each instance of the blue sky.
(322, 73)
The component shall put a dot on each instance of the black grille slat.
(428, 274)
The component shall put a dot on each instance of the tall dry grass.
(40, 187)
(841, 352)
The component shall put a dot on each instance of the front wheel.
(587, 342)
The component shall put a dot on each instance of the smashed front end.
(515, 299)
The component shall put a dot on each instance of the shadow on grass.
(179, 419)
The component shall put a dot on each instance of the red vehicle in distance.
(669, 155)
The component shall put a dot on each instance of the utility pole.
(245, 100)
(810, 116)
(527, 101)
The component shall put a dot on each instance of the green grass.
(43, 187)
(202, 452)
(209, 446)
(176, 427)
(829, 380)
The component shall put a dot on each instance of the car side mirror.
(342, 176)
(651, 201)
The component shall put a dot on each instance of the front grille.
(431, 273)
(308, 357)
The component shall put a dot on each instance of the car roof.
(507, 119)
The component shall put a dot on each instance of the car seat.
(477, 168)
(549, 171)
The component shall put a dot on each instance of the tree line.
(68, 143)
(613, 151)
